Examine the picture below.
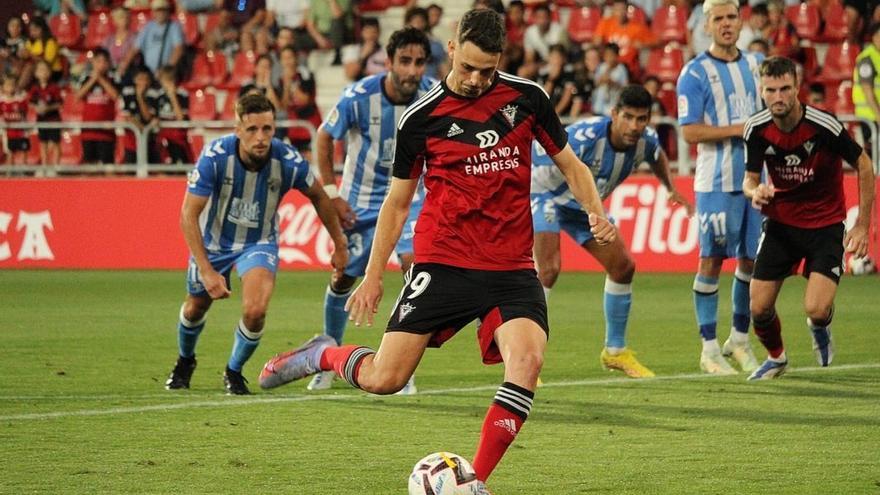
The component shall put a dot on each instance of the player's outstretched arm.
(583, 186)
(364, 301)
(660, 168)
(327, 214)
(857, 239)
(324, 148)
(192, 207)
(758, 192)
(704, 133)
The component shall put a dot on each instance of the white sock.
(613, 351)
(547, 293)
(738, 337)
(781, 359)
(711, 346)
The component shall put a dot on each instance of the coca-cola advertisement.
(134, 223)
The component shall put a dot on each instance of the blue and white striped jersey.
(367, 119)
(242, 205)
(719, 93)
(589, 138)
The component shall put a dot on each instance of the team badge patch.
(509, 113)
(682, 106)
(193, 178)
(333, 117)
(405, 309)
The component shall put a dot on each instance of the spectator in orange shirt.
(627, 34)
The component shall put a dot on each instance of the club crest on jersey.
(405, 309)
(509, 113)
(809, 146)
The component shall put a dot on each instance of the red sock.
(769, 332)
(504, 419)
(346, 361)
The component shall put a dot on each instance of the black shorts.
(783, 247)
(442, 299)
(18, 144)
(50, 135)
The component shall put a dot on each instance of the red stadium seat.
(670, 24)
(196, 142)
(805, 19)
(665, 63)
(228, 111)
(67, 29)
(71, 148)
(836, 27)
(99, 27)
(668, 99)
(636, 14)
(843, 103)
(190, 24)
(373, 5)
(244, 64)
(840, 60)
(209, 69)
(202, 105)
(397, 3)
(530, 12)
(139, 19)
(582, 23)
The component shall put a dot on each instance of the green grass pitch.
(83, 357)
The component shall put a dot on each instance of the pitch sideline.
(257, 400)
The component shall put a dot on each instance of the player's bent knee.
(384, 383)
(818, 312)
(763, 314)
(528, 363)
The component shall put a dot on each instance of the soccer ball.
(862, 266)
(444, 473)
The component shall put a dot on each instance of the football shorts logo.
(405, 309)
(488, 138)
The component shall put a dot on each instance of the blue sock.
(706, 305)
(741, 313)
(618, 298)
(335, 315)
(188, 335)
(245, 344)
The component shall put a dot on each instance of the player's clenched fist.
(603, 230)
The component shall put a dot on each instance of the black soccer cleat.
(236, 384)
(181, 374)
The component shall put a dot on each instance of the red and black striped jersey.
(475, 154)
(804, 165)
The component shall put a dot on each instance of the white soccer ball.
(444, 473)
(862, 266)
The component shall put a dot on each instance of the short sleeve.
(410, 148)
(846, 146)
(201, 179)
(340, 118)
(755, 147)
(303, 177)
(866, 71)
(690, 97)
(175, 35)
(547, 128)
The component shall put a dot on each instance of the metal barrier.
(140, 169)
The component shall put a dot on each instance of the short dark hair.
(778, 67)
(415, 12)
(873, 28)
(369, 22)
(760, 9)
(484, 28)
(253, 103)
(634, 96)
(407, 36)
(100, 52)
(614, 47)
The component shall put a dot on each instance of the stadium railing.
(209, 129)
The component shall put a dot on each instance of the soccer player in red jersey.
(802, 148)
(470, 136)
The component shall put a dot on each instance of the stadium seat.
(373, 5)
(397, 3)
(805, 19)
(67, 29)
(202, 105)
(99, 27)
(71, 148)
(745, 12)
(244, 64)
(836, 28)
(530, 12)
(139, 19)
(668, 98)
(210, 21)
(810, 63)
(196, 142)
(190, 24)
(228, 110)
(670, 24)
(665, 63)
(71, 108)
(843, 103)
(635, 14)
(582, 23)
(209, 69)
(840, 60)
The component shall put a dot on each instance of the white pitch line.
(250, 401)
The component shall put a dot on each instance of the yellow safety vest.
(858, 94)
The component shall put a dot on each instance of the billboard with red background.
(133, 223)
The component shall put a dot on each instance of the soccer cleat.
(236, 383)
(626, 362)
(322, 380)
(409, 388)
(770, 369)
(298, 363)
(480, 488)
(715, 364)
(181, 374)
(823, 346)
(742, 353)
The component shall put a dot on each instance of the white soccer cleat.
(715, 364)
(409, 388)
(769, 370)
(742, 353)
(322, 381)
